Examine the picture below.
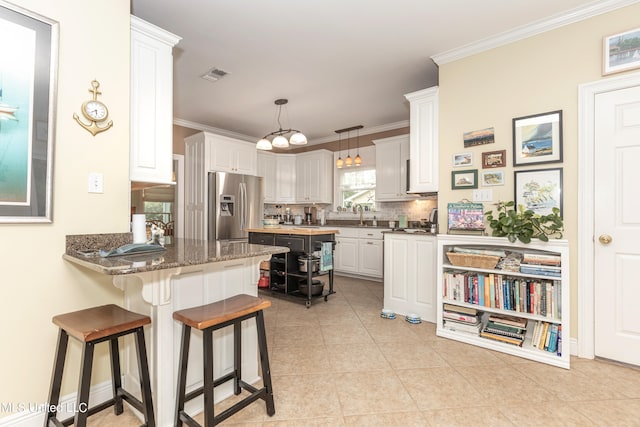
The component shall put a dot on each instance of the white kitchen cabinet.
(267, 169)
(391, 168)
(206, 152)
(314, 177)
(423, 137)
(410, 274)
(231, 155)
(279, 173)
(370, 257)
(359, 251)
(151, 144)
(346, 252)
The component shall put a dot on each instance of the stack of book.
(461, 319)
(507, 329)
(541, 264)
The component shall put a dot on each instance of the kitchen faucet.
(361, 212)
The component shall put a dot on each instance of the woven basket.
(470, 260)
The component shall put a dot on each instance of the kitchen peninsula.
(188, 273)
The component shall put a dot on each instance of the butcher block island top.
(308, 231)
(180, 253)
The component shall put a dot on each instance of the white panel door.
(425, 289)
(617, 225)
(398, 279)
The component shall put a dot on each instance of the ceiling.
(339, 62)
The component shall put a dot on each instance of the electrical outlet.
(483, 195)
(96, 183)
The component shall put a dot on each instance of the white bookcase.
(560, 248)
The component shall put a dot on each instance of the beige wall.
(36, 282)
(535, 75)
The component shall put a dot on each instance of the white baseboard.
(32, 414)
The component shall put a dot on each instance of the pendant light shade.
(358, 159)
(339, 162)
(348, 161)
(264, 144)
(279, 139)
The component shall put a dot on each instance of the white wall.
(36, 282)
(535, 75)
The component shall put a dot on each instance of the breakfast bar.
(187, 273)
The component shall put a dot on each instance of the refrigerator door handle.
(243, 205)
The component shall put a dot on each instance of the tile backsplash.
(384, 211)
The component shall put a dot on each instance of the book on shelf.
(536, 270)
(542, 259)
(507, 320)
(470, 328)
(499, 328)
(502, 338)
(461, 317)
(459, 309)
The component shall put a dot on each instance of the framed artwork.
(465, 216)
(27, 114)
(539, 190)
(464, 179)
(494, 159)
(478, 137)
(462, 159)
(621, 52)
(537, 139)
(490, 178)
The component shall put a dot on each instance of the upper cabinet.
(231, 155)
(314, 177)
(391, 168)
(279, 173)
(151, 145)
(423, 122)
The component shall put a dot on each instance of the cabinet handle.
(369, 243)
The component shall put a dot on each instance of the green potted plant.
(524, 225)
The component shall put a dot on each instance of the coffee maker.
(309, 214)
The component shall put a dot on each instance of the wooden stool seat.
(98, 322)
(209, 318)
(92, 326)
(206, 316)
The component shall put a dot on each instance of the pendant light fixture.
(339, 162)
(348, 161)
(279, 138)
(358, 160)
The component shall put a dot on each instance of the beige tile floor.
(339, 363)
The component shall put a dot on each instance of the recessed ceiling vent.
(214, 74)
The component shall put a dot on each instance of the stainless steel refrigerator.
(235, 205)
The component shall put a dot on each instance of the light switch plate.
(96, 182)
(485, 195)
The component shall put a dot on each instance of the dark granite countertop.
(180, 253)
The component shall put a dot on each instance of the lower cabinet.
(359, 251)
(410, 274)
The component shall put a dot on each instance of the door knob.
(605, 239)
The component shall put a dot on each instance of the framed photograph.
(489, 178)
(537, 139)
(494, 159)
(27, 114)
(478, 137)
(621, 52)
(464, 179)
(462, 159)
(539, 190)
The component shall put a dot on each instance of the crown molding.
(529, 30)
(243, 137)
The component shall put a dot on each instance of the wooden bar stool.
(93, 326)
(208, 318)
